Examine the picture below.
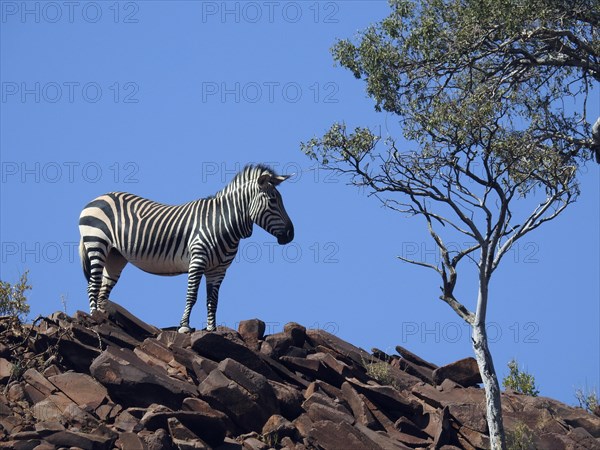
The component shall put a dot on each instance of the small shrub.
(381, 372)
(588, 400)
(521, 438)
(12, 298)
(521, 382)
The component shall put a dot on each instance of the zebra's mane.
(249, 172)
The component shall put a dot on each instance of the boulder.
(81, 388)
(244, 395)
(359, 408)
(289, 400)
(208, 424)
(328, 340)
(218, 345)
(6, 369)
(183, 437)
(464, 372)
(337, 435)
(80, 440)
(278, 427)
(252, 331)
(129, 441)
(135, 383)
(277, 344)
(389, 399)
(297, 332)
(134, 326)
(414, 359)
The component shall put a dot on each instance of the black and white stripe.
(198, 238)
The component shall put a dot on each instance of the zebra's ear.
(264, 180)
(279, 179)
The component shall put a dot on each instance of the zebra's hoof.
(184, 329)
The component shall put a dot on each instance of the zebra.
(198, 238)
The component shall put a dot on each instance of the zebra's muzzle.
(286, 236)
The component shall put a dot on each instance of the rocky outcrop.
(111, 381)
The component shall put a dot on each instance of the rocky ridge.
(109, 380)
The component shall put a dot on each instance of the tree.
(479, 88)
(13, 301)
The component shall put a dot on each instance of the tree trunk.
(490, 383)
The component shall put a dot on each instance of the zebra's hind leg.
(194, 278)
(97, 259)
(114, 265)
(213, 283)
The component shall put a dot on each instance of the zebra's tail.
(85, 261)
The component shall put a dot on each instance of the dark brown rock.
(175, 339)
(80, 440)
(414, 359)
(76, 355)
(223, 386)
(252, 443)
(439, 427)
(210, 425)
(475, 438)
(303, 424)
(6, 369)
(388, 398)
(129, 441)
(183, 437)
(322, 337)
(583, 438)
(217, 346)
(157, 440)
(337, 370)
(296, 352)
(297, 332)
(380, 439)
(323, 388)
(196, 365)
(289, 400)
(283, 372)
(318, 412)
(306, 366)
(464, 372)
(39, 383)
(359, 408)
(135, 327)
(334, 436)
(81, 388)
(278, 427)
(252, 381)
(44, 428)
(241, 405)
(277, 344)
(113, 335)
(44, 446)
(127, 422)
(15, 392)
(252, 331)
(423, 373)
(135, 383)
(324, 400)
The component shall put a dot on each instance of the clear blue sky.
(169, 99)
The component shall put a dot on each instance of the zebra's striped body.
(198, 238)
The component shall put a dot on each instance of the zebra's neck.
(234, 211)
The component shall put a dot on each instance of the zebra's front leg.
(194, 278)
(213, 283)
